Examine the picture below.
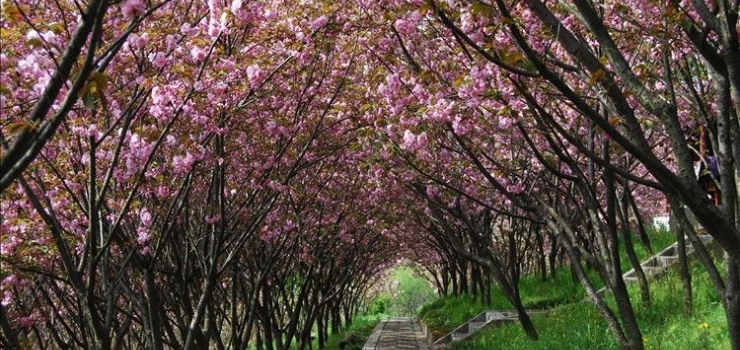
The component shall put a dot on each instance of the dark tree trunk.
(619, 289)
(630, 249)
(644, 239)
(553, 256)
(684, 271)
(732, 301)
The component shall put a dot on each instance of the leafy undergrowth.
(361, 327)
(580, 326)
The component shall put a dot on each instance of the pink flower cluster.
(143, 232)
(413, 142)
(131, 8)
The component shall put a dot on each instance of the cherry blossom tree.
(566, 70)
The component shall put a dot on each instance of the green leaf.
(512, 58)
(90, 102)
(20, 126)
(481, 9)
(35, 42)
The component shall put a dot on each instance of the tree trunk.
(732, 301)
(644, 239)
(619, 289)
(683, 266)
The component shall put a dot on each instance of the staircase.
(661, 262)
(483, 319)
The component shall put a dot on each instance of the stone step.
(444, 340)
(475, 325)
(652, 270)
(667, 260)
(395, 334)
(500, 315)
(458, 336)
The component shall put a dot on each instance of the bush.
(380, 305)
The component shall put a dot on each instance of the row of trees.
(575, 116)
(182, 174)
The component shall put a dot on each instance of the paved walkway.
(397, 334)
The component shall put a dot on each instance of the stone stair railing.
(661, 262)
(476, 323)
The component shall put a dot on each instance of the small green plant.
(379, 305)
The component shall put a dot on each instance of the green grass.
(447, 313)
(362, 327)
(580, 326)
(573, 326)
(538, 294)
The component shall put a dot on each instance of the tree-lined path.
(401, 333)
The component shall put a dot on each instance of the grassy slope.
(447, 313)
(577, 325)
(580, 326)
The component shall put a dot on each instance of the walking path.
(400, 333)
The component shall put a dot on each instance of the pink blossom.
(422, 140)
(271, 127)
(132, 8)
(145, 216)
(143, 236)
(413, 142)
(432, 191)
(213, 219)
(7, 298)
(183, 164)
(255, 74)
(163, 192)
(460, 126)
(159, 59)
(236, 5)
(186, 29)
(26, 322)
(515, 188)
(10, 280)
(198, 54)
(409, 140)
(93, 132)
(319, 22)
(136, 41)
(145, 251)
